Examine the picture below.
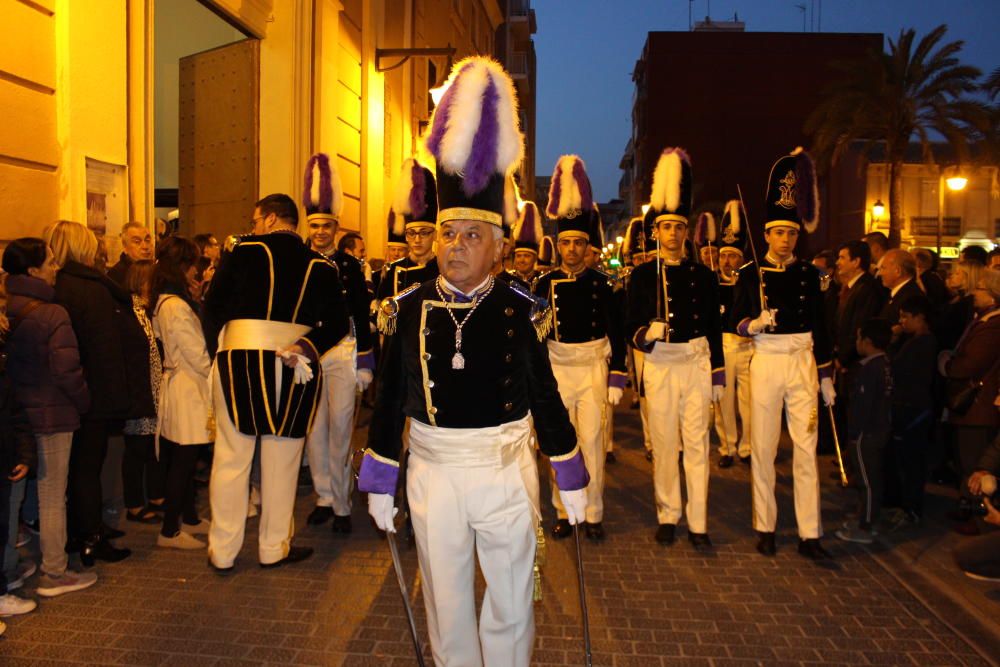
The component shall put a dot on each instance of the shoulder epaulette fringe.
(540, 313)
(388, 310)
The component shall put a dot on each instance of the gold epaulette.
(388, 310)
(232, 241)
(541, 314)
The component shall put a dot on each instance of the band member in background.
(417, 218)
(468, 368)
(673, 317)
(527, 236)
(734, 438)
(791, 361)
(280, 307)
(347, 367)
(395, 248)
(586, 332)
(635, 245)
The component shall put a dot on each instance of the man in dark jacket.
(979, 558)
(137, 244)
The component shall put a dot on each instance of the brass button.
(508, 406)
(508, 357)
(510, 333)
(426, 331)
(594, 295)
(430, 383)
(427, 356)
(433, 410)
(669, 299)
(593, 324)
(670, 315)
(508, 311)
(507, 382)
(802, 297)
(696, 316)
(427, 306)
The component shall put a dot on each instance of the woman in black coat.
(110, 341)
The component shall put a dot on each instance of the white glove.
(381, 508)
(826, 388)
(656, 331)
(767, 318)
(718, 391)
(363, 379)
(575, 503)
(303, 371)
(615, 395)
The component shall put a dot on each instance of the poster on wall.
(107, 201)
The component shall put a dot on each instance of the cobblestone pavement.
(649, 605)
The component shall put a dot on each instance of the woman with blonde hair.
(958, 312)
(106, 328)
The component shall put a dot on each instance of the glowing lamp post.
(955, 183)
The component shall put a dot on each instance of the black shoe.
(342, 524)
(221, 571)
(111, 533)
(562, 529)
(700, 541)
(726, 461)
(649, 455)
(813, 550)
(595, 532)
(665, 533)
(295, 555)
(765, 544)
(94, 550)
(319, 516)
(610, 458)
(634, 405)
(745, 460)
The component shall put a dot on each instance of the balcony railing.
(519, 63)
(928, 226)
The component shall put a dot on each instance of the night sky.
(588, 48)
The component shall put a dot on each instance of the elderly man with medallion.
(467, 368)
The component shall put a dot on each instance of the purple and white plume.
(569, 190)
(411, 188)
(529, 225)
(704, 229)
(323, 194)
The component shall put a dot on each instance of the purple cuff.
(743, 328)
(571, 473)
(377, 476)
(639, 340)
(366, 360)
(616, 379)
(719, 377)
(308, 349)
(825, 371)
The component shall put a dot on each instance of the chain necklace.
(458, 360)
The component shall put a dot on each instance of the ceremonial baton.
(583, 598)
(836, 444)
(391, 537)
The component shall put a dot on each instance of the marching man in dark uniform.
(395, 247)
(547, 255)
(673, 317)
(280, 307)
(415, 200)
(791, 359)
(527, 235)
(586, 332)
(634, 248)
(347, 367)
(736, 349)
(467, 366)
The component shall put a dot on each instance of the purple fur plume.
(528, 225)
(442, 114)
(701, 229)
(418, 191)
(555, 189)
(307, 189)
(324, 203)
(482, 161)
(582, 182)
(806, 195)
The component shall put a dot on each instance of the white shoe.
(49, 586)
(200, 528)
(25, 569)
(180, 541)
(11, 605)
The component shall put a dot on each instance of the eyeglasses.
(253, 221)
(421, 233)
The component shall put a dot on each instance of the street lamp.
(955, 183)
(878, 210)
(619, 239)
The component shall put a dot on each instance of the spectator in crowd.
(898, 273)
(17, 456)
(971, 372)
(203, 273)
(44, 365)
(137, 244)
(979, 558)
(929, 279)
(913, 410)
(959, 311)
(101, 313)
(209, 247)
(353, 245)
(868, 425)
(993, 259)
(974, 253)
(143, 476)
(859, 299)
(185, 413)
(825, 261)
(878, 244)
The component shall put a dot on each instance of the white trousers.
(639, 359)
(229, 488)
(469, 496)
(328, 444)
(783, 373)
(678, 382)
(738, 351)
(581, 371)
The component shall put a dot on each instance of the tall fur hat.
(476, 141)
(732, 236)
(571, 198)
(635, 238)
(546, 252)
(396, 228)
(596, 229)
(792, 193)
(415, 198)
(528, 230)
(322, 197)
(705, 232)
(671, 195)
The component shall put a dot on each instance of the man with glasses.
(419, 214)
(137, 244)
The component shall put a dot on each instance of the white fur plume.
(733, 211)
(404, 185)
(666, 196)
(569, 189)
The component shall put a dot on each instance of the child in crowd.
(868, 425)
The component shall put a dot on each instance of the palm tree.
(913, 92)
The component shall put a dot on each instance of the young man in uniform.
(419, 265)
(791, 362)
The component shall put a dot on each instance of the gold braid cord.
(539, 562)
(388, 309)
(542, 321)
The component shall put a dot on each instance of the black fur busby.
(792, 195)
